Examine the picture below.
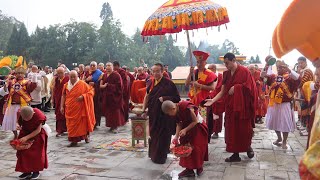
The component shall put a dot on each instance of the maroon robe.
(112, 100)
(131, 77)
(125, 92)
(142, 76)
(161, 126)
(61, 126)
(35, 158)
(239, 109)
(2, 102)
(218, 107)
(197, 137)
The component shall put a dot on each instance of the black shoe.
(234, 158)
(35, 175)
(250, 153)
(25, 176)
(46, 110)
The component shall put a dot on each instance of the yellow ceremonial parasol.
(177, 15)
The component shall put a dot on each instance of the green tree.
(24, 40)
(6, 27)
(257, 60)
(13, 42)
(106, 13)
(252, 60)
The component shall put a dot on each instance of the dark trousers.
(209, 122)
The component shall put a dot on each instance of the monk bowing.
(31, 161)
(191, 129)
(238, 87)
(111, 85)
(77, 105)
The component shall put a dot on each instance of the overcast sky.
(251, 21)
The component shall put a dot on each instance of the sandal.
(277, 143)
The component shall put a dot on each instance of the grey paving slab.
(88, 162)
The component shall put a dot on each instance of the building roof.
(182, 72)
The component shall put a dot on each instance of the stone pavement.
(87, 162)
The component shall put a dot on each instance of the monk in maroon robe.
(191, 130)
(217, 108)
(238, 87)
(161, 126)
(34, 159)
(59, 83)
(111, 85)
(94, 80)
(141, 75)
(125, 90)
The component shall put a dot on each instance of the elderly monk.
(161, 127)
(81, 72)
(261, 106)
(94, 80)
(126, 88)
(101, 67)
(111, 85)
(240, 93)
(18, 95)
(215, 126)
(59, 83)
(31, 161)
(204, 79)
(141, 75)
(77, 104)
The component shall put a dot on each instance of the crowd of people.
(80, 97)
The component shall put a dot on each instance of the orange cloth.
(79, 115)
(136, 93)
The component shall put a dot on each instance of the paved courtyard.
(88, 162)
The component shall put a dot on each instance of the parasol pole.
(191, 64)
(189, 47)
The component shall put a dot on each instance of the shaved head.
(60, 69)
(167, 106)
(26, 113)
(73, 72)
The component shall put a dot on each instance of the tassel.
(176, 37)
(192, 33)
(207, 31)
(160, 38)
(218, 28)
(226, 26)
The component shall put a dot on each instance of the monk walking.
(33, 160)
(192, 130)
(77, 104)
(111, 85)
(239, 90)
(59, 82)
(217, 108)
(161, 127)
(126, 88)
(94, 80)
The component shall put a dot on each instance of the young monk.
(34, 159)
(190, 129)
